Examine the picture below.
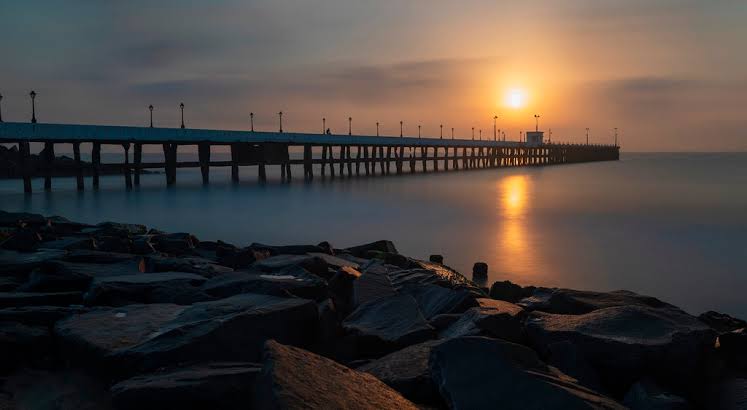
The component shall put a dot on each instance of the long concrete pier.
(344, 155)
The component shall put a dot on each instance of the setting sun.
(516, 98)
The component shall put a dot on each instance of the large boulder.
(373, 284)
(175, 243)
(576, 302)
(494, 318)
(117, 229)
(23, 240)
(145, 337)
(509, 291)
(624, 343)
(57, 276)
(721, 322)
(15, 219)
(293, 378)
(380, 246)
(647, 395)
(387, 324)
(435, 300)
(69, 243)
(313, 264)
(100, 257)
(224, 385)
(733, 346)
(293, 281)
(407, 372)
(200, 266)
(164, 287)
(20, 264)
(287, 249)
(482, 373)
(38, 315)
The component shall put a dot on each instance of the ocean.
(668, 225)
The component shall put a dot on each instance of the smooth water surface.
(668, 225)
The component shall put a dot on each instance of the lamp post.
(536, 122)
(377, 128)
(615, 133)
(324, 125)
(549, 139)
(521, 136)
(495, 124)
(400, 129)
(452, 132)
(350, 125)
(33, 106)
(587, 136)
(480, 134)
(1, 108)
(442, 131)
(150, 108)
(251, 121)
(504, 136)
(418, 130)
(473, 133)
(280, 115)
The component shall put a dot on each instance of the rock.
(478, 373)
(9, 283)
(100, 257)
(313, 264)
(441, 322)
(138, 338)
(293, 281)
(624, 343)
(341, 286)
(729, 393)
(733, 346)
(407, 372)
(17, 219)
(14, 299)
(200, 266)
(494, 318)
(175, 243)
(23, 344)
(335, 262)
(287, 249)
(510, 292)
(721, 322)
(480, 272)
(38, 315)
(21, 264)
(434, 274)
(435, 300)
(381, 246)
(57, 389)
(113, 244)
(567, 357)
(70, 243)
(292, 378)
(24, 240)
(57, 276)
(646, 395)
(224, 385)
(119, 229)
(329, 330)
(387, 324)
(164, 287)
(326, 247)
(141, 245)
(400, 261)
(373, 284)
(436, 259)
(576, 302)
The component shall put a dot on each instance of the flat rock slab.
(494, 318)
(482, 373)
(200, 266)
(407, 372)
(101, 257)
(293, 378)
(435, 300)
(56, 276)
(625, 342)
(387, 324)
(164, 287)
(21, 263)
(379, 246)
(39, 315)
(294, 281)
(224, 385)
(576, 302)
(17, 299)
(373, 284)
(145, 337)
(313, 264)
(69, 243)
(334, 261)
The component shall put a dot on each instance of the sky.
(671, 75)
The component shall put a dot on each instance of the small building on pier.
(535, 137)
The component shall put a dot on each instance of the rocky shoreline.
(121, 316)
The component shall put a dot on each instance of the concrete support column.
(126, 166)
(138, 160)
(48, 157)
(25, 152)
(203, 153)
(78, 167)
(96, 163)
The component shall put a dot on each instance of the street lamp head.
(150, 107)
(495, 117)
(32, 94)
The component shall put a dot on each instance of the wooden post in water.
(25, 152)
(324, 161)
(331, 162)
(307, 164)
(126, 166)
(138, 160)
(48, 158)
(350, 164)
(78, 167)
(388, 158)
(381, 159)
(203, 154)
(342, 161)
(96, 163)
(235, 162)
(423, 157)
(365, 159)
(358, 161)
(412, 159)
(435, 159)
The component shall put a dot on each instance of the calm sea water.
(669, 225)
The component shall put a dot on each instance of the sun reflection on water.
(513, 245)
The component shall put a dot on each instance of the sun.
(516, 98)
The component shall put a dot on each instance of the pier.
(335, 155)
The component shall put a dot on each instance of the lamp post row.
(496, 131)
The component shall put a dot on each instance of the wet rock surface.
(116, 315)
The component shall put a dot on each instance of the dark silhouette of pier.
(341, 155)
